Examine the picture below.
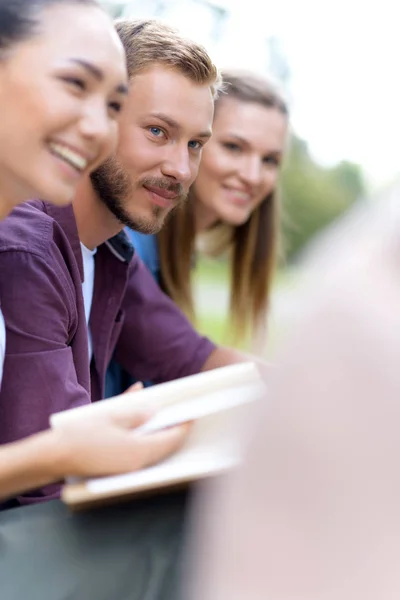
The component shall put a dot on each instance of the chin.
(147, 226)
(57, 196)
(235, 219)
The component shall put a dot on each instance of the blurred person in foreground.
(233, 208)
(313, 514)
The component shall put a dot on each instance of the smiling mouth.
(69, 156)
(162, 197)
(238, 196)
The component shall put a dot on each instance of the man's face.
(166, 122)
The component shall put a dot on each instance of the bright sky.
(344, 60)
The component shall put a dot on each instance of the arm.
(157, 342)
(223, 356)
(26, 465)
(103, 446)
(40, 375)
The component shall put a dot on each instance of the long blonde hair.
(253, 246)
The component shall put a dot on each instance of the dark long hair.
(19, 19)
(253, 245)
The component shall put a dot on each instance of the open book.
(216, 401)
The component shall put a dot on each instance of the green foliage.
(211, 270)
(313, 196)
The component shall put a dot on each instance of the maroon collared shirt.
(46, 366)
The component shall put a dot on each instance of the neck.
(204, 218)
(11, 194)
(95, 223)
(5, 206)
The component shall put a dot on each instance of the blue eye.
(157, 131)
(195, 145)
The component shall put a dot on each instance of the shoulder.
(35, 243)
(32, 229)
(27, 228)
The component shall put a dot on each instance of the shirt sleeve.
(39, 375)
(157, 342)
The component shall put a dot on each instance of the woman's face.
(61, 92)
(240, 164)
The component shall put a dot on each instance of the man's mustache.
(164, 184)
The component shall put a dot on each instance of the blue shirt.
(117, 378)
(147, 248)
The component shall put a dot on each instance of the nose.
(250, 170)
(177, 163)
(97, 126)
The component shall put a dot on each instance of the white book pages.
(172, 392)
(218, 406)
(202, 406)
(215, 445)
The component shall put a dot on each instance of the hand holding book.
(214, 401)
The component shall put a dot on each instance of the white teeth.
(241, 195)
(76, 160)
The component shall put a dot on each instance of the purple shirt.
(46, 366)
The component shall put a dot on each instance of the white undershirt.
(2, 344)
(87, 288)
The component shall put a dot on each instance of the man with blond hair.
(84, 294)
(167, 122)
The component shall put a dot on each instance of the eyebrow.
(175, 125)
(98, 74)
(245, 142)
(239, 138)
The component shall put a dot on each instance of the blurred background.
(337, 62)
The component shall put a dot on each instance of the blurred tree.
(313, 196)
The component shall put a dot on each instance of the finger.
(135, 387)
(130, 417)
(153, 448)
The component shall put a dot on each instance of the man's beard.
(115, 189)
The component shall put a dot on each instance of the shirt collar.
(119, 245)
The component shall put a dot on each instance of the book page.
(218, 405)
(215, 445)
(202, 406)
(172, 392)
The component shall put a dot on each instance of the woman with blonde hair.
(234, 200)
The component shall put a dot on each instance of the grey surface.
(125, 552)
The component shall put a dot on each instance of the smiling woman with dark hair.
(62, 89)
(63, 83)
